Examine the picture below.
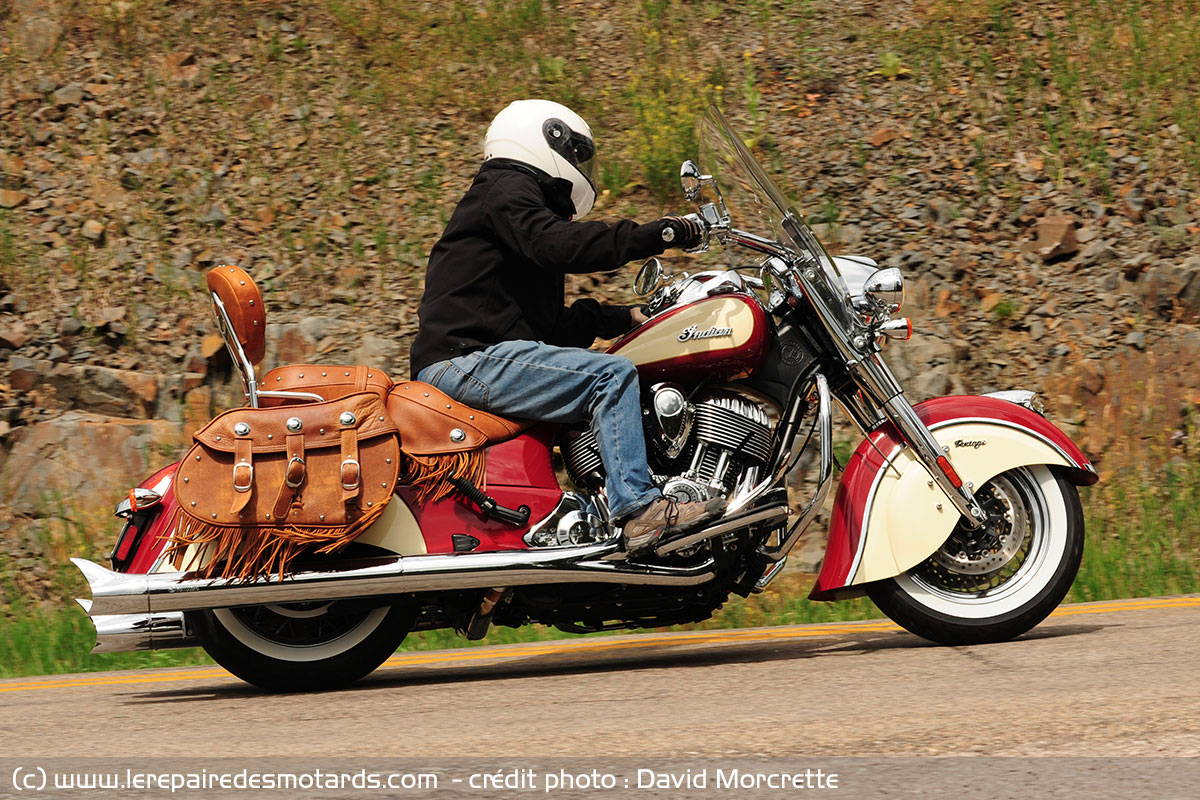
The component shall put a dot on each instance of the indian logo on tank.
(692, 332)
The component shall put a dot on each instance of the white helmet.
(551, 137)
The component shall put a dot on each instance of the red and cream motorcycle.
(958, 516)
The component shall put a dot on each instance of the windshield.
(756, 205)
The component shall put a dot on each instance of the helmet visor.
(578, 149)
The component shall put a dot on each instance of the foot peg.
(488, 506)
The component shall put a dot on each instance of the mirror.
(886, 287)
(690, 179)
(648, 277)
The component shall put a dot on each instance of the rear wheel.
(293, 647)
(997, 583)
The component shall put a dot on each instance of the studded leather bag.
(261, 486)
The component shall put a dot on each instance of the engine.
(714, 444)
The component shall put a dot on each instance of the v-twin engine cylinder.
(717, 443)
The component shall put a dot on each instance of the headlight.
(885, 288)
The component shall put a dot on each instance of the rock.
(1168, 288)
(69, 95)
(26, 373)
(83, 461)
(182, 258)
(930, 383)
(10, 198)
(883, 136)
(149, 155)
(106, 390)
(382, 352)
(181, 66)
(69, 326)
(13, 335)
(943, 211)
(1056, 237)
(1136, 339)
(197, 408)
(215, 216)
(93, 230)
(39, 36)
(1097, 252)
(1190, 296)
(210, 345)
(1134, 204)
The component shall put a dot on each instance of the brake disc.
(987, 550)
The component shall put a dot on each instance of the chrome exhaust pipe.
(118, 633)
(116, 593)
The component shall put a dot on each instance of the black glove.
(681, 232)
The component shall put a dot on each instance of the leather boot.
(666, 517)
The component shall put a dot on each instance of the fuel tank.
(720, 338)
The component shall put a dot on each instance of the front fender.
(889, 515)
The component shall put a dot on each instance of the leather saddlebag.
(261, 486)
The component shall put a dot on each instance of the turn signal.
(897, 329)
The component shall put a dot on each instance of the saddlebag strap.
(293, 476)
(243, 474)
(351, 472)
(360, 378)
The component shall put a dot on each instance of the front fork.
(878, 383)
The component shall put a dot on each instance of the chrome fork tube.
(877, 380)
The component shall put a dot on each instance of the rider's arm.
(518, 216)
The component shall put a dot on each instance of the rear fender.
(890, 515)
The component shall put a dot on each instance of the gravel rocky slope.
(142, 144)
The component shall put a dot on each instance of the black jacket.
(497, 272)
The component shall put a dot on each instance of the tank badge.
(975, 444)
(690, 332)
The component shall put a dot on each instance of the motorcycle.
(959, 517)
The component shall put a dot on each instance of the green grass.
(1093, 79)
(59, 640)
(1143, 536)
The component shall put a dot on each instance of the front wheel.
(294, 647)
(996, 583)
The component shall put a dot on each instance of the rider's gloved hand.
(681, 232)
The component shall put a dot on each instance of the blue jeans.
(538, 381)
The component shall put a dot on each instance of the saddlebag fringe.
(431, 475)
(243, 553)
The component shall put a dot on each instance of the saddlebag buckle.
(294, 477)
(351, 474)
(249, 484)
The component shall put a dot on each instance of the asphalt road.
(1094, 681)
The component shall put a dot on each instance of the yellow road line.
(587, 646)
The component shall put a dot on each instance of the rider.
(494, 331)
